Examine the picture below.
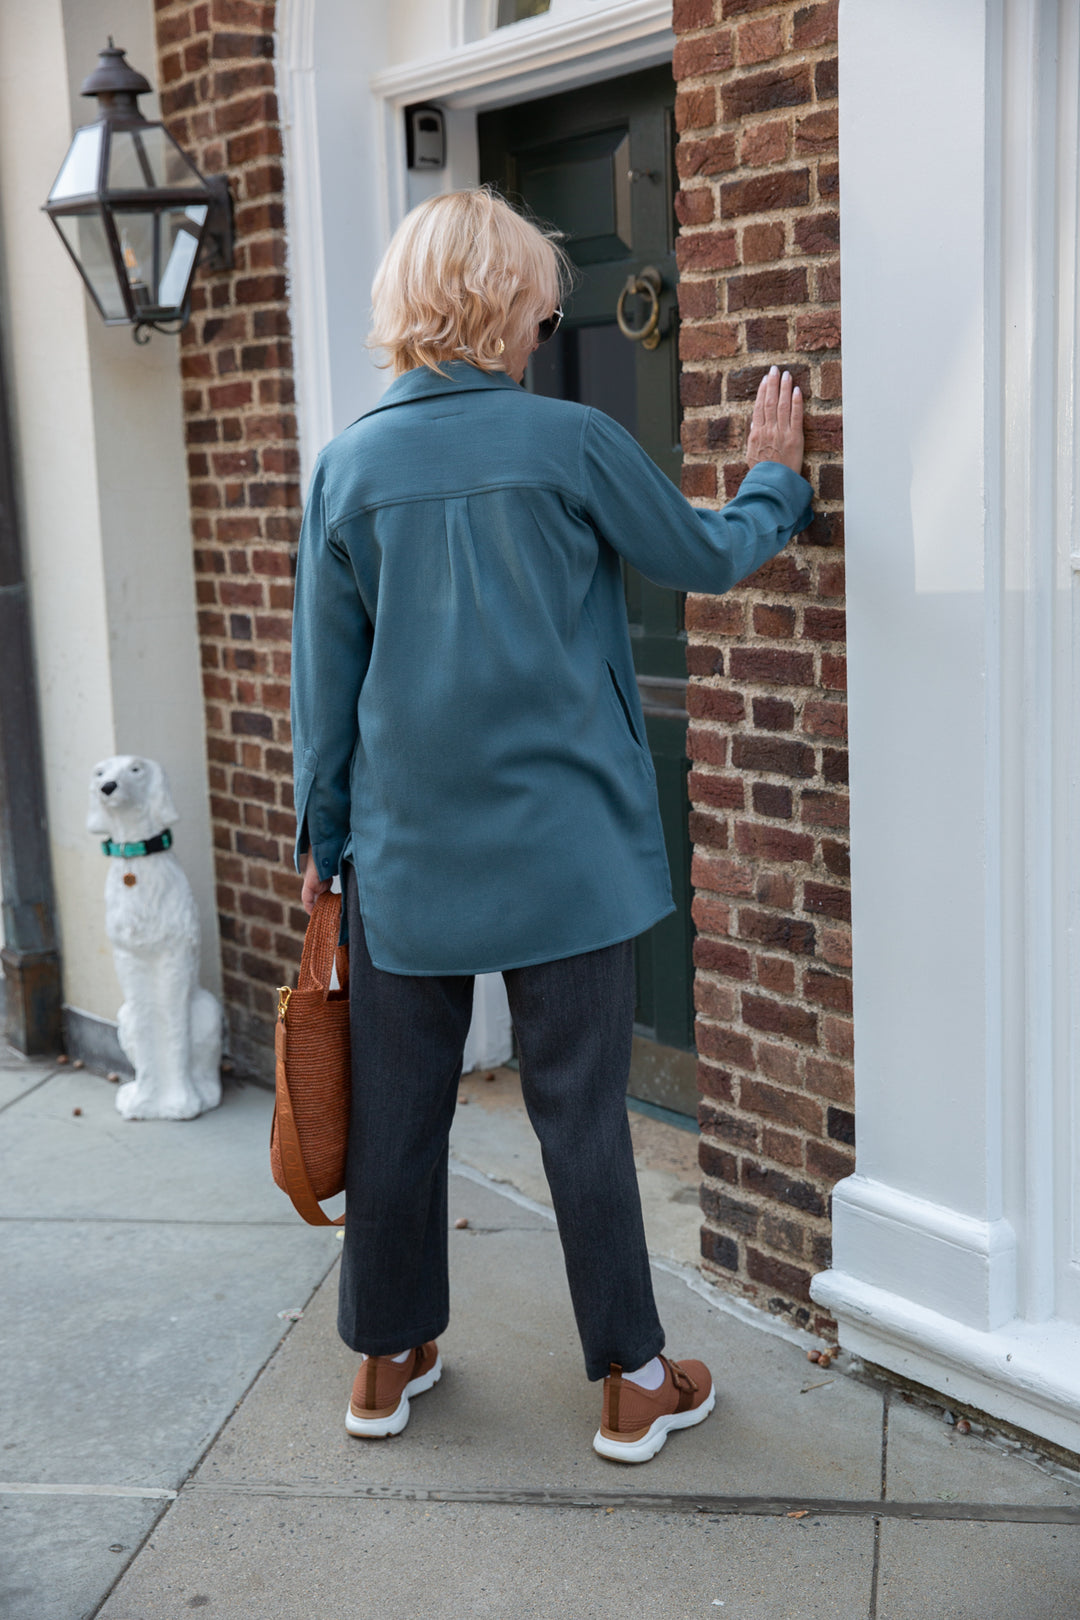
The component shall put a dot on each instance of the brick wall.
(759, 265)
(216, 79)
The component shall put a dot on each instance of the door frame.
(339, 94)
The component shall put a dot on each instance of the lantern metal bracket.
(217, 251)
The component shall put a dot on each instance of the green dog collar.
(145, 846)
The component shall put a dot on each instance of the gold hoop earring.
(500, 347)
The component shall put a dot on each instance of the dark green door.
(597, 164)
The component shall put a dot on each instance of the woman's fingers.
(783, 402)
(758, 418)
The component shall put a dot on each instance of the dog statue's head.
(129, 799)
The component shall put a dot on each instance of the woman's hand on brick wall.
(776, 427)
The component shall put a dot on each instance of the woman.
(470, 756)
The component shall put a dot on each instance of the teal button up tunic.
(466, 721)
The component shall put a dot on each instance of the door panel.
(597, 164)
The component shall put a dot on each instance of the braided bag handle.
(309, 1131)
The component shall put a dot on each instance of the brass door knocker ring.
(647, 285)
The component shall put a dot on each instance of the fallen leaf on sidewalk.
(293, 1315)
(800, 1513)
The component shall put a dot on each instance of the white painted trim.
(1026, 1373)
(516, 63)
(305, 236)
(934, 1255)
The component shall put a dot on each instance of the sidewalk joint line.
(30, 1090)
(25, 1488)
(644, 1501)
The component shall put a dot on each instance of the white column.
(103, 490)
(957, 170)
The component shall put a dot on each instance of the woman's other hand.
(776, 427)
(314, 885)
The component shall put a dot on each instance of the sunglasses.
(548, 327)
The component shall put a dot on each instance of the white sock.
(404, 1356)
(651, 1376)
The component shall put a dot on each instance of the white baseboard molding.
(1024, 1373)
(927, 1252)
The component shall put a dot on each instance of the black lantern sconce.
(135, 214)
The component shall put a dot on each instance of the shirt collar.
(422, 383)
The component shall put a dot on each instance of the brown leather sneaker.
(636, 1421)
(381, 1391)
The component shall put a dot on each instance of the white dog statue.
(168, 1027)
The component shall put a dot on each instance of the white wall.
(100, 462)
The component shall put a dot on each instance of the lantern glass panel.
(86, 237)
(183, 232)
(79, 172)
(137, 233)
(148, 156)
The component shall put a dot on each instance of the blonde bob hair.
(464, 278)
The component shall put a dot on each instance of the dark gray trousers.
(573, 1021)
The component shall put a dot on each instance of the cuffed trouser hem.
(595, 1370)
(365, 1344)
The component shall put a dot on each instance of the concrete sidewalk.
(191, 1447)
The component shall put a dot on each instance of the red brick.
(694, 207)
(835, 947)
(782, 1189)
(815, 25)
(725, 792)
(780, 1018)
(714, 613)
(697, 299)
(720, 1207)
(716, 1001)
(710, 747)
(824, 900)
(769, 799)
(706, 250)
(778, 755)
(785, 1149)
(715, 342)
(824, 719)
(695, 58)
(766, 842)
(778, 932)
(717, 1163)
(695, 109)
(779, 1063)
(763, 144)
(828, 1162)
(759, 40)
(818, 233)
(773, 665)
(788, 1107)
(762, 243)
(690, 14)
(716, 1083)
(774, 714)
(715, 155)
(722, 875)
(786, 188)
(834, 1081)
(719, 956)
(725, 1045)
(824, 809)
(713, 703)
(727, 1127)
(767, 289)
(779, 1275)
(788, 86)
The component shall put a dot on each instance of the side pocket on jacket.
(620, 698)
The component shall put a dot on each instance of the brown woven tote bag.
(310, 1131)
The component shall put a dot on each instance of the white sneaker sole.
(379, 1428)
(639, 1451)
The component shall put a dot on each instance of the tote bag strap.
(321, 947)
(297, 1182)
